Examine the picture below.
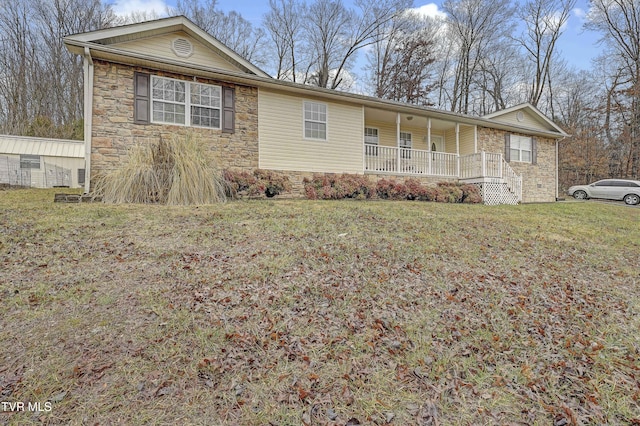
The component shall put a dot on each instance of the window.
(315, 120)
(179, 102)
(29, 161)
(405, 144)
(371, 141)
(205, 105)
(169, 100)
(520, 149)
(81, 176)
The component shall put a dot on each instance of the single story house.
(148, 80)
(41, 162)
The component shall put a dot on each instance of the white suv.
(611, 189)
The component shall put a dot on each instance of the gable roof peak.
(144, 29)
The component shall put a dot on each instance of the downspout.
(88, 117)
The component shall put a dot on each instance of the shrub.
(274, 183)
(335, 187)
(174, 171)
(391, 190)
(471, 194)
(259, 182)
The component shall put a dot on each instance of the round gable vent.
(182, 47)
(520, 116)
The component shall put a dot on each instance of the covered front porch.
(404, 144)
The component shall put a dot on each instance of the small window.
(315, 121)
(405, 144)
(520, 149)
(29, 161)
(371, 141)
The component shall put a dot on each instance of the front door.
(437, 143)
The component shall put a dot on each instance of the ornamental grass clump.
(174, 171)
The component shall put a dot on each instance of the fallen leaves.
(323, 314)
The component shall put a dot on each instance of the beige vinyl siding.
(160, 46)
(528, 120)
(282, 144)
(466, 140)
(467, 145)
(387, 133)
(450, 141)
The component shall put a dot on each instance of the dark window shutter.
(228, 110)
(142, 98)
(507, 147)
(534, 151)
(81, 176)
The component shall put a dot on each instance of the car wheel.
(632, 199)
(580, 195)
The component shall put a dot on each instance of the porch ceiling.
(385, 116)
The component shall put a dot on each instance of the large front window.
(520, 147)
(315, 120)
(180, 102)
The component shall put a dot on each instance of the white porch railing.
(514, 182)
(476, 167)
(410, 161)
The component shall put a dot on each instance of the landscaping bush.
(174, 171)
(259, 182)
(391, 190)
(336, 187)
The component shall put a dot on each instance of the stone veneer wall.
(114, 131)
(538, 180)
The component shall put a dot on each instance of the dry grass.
(294, 312)
(174, 171)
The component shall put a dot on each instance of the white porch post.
(458, 149)
(398, 142)
(429, 156)
(475, 139)
(483, 164)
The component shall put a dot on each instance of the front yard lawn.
(318, 313)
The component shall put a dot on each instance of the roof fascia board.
(99, 51)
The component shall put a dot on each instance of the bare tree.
(544, 20)
(41, 82)
(284, 24)
(619, 23)
(231, 29)
(401, 59)
(336, 34)
(476, 27)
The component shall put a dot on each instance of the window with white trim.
(179, 102)
(405, 144)
(520, 149)
(315, 120)
(205, 105)
(371, 141)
